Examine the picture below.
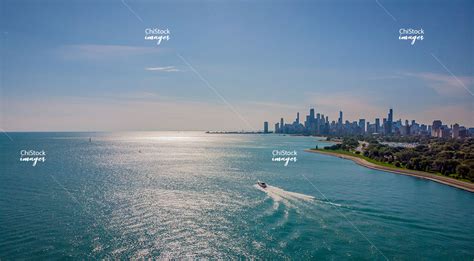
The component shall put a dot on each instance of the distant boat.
(262, 184)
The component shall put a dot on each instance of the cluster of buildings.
(318, 124)
(455, 131)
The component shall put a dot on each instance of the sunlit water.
(191, 194)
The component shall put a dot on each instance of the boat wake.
(286, 197)
(278, 194)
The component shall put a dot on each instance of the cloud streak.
(163, 69)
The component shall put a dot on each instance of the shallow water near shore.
(191, 194)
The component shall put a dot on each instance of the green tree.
(462, 170)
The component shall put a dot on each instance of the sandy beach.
(419, 174)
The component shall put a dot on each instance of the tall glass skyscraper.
(390, 121)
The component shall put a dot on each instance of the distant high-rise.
(377, 125)
(362, 125)
(407, 128)
(445, 132)
(282, 125)
(277, 128)
(340, 118)
(311, 114)
(436, 129)
(456, 131)
(265, 127)
(297, 118)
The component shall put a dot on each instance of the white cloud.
(163, 69)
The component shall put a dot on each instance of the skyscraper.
(362, 125)
(377, 125)
(265, 127)
(297, 118)
(384, 126)
(390, 122)
(282, 125)
(340, 118)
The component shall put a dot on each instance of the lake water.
(191, 194)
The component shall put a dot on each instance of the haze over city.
(231, 66)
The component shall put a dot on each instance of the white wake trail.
(278, 194)
(286, 197)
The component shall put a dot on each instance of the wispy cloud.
(445, 84)
(163, 69)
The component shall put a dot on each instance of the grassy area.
(385, 164)
(349, 153)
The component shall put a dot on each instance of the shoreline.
(414, 173)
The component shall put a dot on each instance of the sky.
(231, 65)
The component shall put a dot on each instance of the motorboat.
(262, 184)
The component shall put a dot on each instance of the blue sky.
(84, 65)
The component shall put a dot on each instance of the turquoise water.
(190, 194)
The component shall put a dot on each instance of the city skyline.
(317, 123)
(92, 69)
